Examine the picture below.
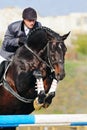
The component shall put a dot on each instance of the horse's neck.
(35, 49)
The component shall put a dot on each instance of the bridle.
(49, 58)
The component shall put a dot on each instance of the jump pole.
(43, 120)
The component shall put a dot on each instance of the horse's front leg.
(39, 101)
(50, 94)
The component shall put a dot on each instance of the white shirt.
(26, 29)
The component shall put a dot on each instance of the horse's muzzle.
(60, 76)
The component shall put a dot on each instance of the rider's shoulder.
(15, 24)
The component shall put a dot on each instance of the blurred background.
(61, 16)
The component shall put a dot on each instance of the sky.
(49, 7)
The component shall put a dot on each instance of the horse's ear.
(65, 36)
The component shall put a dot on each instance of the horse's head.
(56, 52)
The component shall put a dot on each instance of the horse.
(31, 77)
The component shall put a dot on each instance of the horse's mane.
(40, 36)
(47, 30)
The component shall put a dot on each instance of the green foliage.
(81, 43)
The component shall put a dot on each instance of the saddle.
(3, 67)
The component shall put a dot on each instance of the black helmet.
(29, 14)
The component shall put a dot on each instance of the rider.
(16, 35)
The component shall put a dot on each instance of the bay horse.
(31, 78)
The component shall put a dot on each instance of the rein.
(11, 90)
(50, 66)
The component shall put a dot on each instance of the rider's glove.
(22, 41)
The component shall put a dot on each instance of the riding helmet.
(29, 14)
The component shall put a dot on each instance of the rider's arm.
(10, 42)
(12, 36)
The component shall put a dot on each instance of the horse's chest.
(11, 105)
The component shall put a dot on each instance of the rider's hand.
(22, 41)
